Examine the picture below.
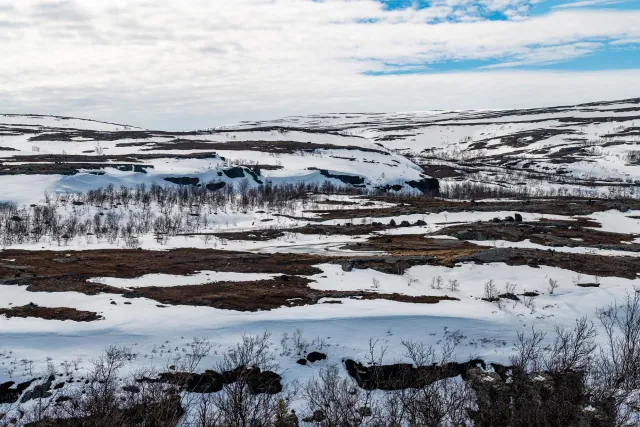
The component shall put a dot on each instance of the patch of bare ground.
(403, 245)
(282, 291)
(595, 265)
(310, 229)
(544, 232)
(50, 313)
(422, 205)
(411, 249)
(282, 147)
(48, 271)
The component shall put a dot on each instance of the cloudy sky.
(171, 64)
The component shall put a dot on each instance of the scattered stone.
(316, 356)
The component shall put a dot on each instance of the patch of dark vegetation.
(595, 265)
(42, 272)
(552, 233)
(407, 205)
(283, 291)
(346, 179)
(183, 180)
(347, 229)
(50, 313)
(281, 147)
(416, 245)
(67, 168)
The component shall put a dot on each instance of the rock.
(347, 266)
(392, 223)
(496, 220)
(354, 180)
(264, 382)
(530, 294)
(426, 185)
(39, 391)
(183, 180)
(317, 417)
(365, 411)
(588, 285)
(420, 223)
(207, 382)
(302, 362)
(114, 303)
(65, 260)
(401, 376)
(131, 389)
(510, 296)
(509, 219)
(235, 172)
(405, 224)
(316, 356)
(517, 217)
(215, 186)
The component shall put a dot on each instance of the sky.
(194, 64)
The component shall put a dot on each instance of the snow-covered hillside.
(346, 253)
(595, 145)
(69, 155)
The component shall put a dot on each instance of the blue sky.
(182, 65)
(602, 54)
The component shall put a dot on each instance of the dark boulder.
(183, 180)
(429, 186)
(215, 186)
(235, 172)
(316, 356)
(317, 417)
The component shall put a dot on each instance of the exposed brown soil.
(422, 205)
(50, 313)
(548, 233)
(595, 265)
(323, 230)
(408, 250)
(283, 291)
(282, 147)
(66, 168)
(416, 245)
(46, 271)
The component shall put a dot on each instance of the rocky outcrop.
(426, 185)
(183, 180)
(258, 381)
(354, 180)
(400, 376)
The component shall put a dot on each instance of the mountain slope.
(592, 147)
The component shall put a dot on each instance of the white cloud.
(166, 64)
(588, 3)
